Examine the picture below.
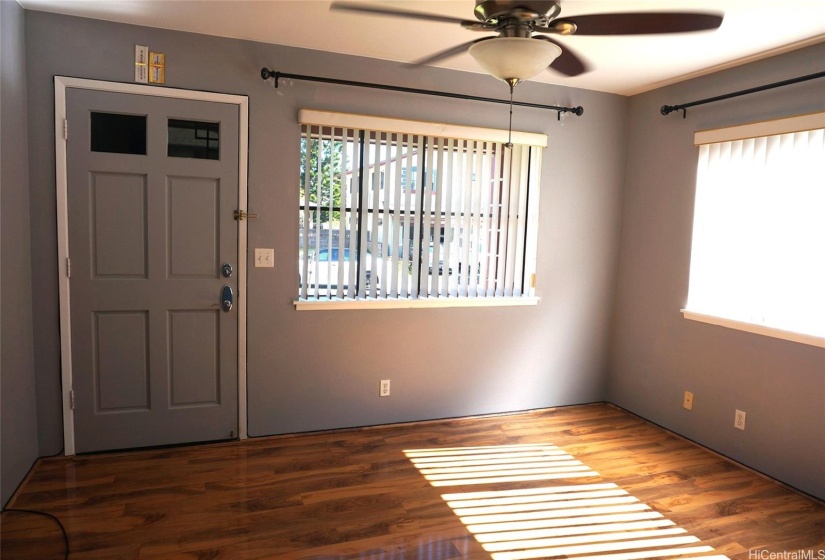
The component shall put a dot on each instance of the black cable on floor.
(49, 515)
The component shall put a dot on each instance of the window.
(758, 253)
(115, 133)
(193, 139)
(404, 211)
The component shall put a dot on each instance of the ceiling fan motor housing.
(539, 12)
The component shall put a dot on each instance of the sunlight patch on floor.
(460, 466)
(584, 521)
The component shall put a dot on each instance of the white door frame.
(61, 83)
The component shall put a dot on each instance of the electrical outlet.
(739, 420)
(384, 388)
(688, 402)
(264, 258)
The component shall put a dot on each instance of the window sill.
(755, 329)
(405, 303)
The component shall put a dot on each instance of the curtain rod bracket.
(266, 73)
(578, 111)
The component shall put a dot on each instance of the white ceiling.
(752, 29)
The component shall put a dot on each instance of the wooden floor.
(578, 482)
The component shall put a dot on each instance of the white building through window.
(758, 253)
(400, 211)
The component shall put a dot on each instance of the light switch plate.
(264, 258)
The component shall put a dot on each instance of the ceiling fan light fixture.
(514, 59)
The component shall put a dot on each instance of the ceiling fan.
(515, 54)
(522, 48)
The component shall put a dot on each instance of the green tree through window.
(324, 163)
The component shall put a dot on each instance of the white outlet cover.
(736, 420)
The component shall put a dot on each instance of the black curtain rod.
(266, 73)
(667, 109)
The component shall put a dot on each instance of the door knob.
(227, 297)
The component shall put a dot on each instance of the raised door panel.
(121, 343)
(118, 225)
(193, 204)
(194, 338)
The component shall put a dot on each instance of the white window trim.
(418, 303)
(755, 328)
(424, 128)
(772, 127)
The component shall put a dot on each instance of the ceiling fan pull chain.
(509, 143)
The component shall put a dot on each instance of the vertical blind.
(758, 253)
(405, 214)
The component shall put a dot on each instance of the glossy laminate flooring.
(587, 482)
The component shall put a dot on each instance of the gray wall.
(18, 419)
(657, 354)
(318, 370)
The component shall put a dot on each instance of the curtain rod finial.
(266, 73)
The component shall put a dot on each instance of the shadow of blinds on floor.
(584, 520)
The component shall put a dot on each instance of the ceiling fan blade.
(568, 62)
(394, 12)
(447, 53)
(644, 23)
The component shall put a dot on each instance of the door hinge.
(532, 280)
(71, 399)
(65, 129)
(68, 267)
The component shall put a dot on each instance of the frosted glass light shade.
(514, 58)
